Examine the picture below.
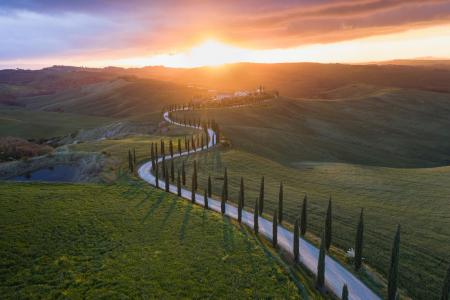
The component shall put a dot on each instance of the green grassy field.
(415, 198)
(24, 123)
(382, 127)
(128, 240)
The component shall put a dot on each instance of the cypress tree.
(446, 286)
(261, 196)
(320, 281)
(256, 218)
(304, 216)
(393, 269)
(152, 156)
(178, 183)
(328, 226)
(179, 146)
(172, 171)
(296, 242)
(209, 186)
(157, 176)
(206, 200)
(130, 161)
(134, 157)
(166, 179)
(275, 229)
(193, 143)
(194, 176)
(222, 201)
(202, 142)
(163, 151)
(225, 185)
(183, 173)
(241, 200)
(344, 292)
(193, 189)
(163, 166)
(171, 148)
(359, 241)
(280, 203)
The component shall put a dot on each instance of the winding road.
(335, 274)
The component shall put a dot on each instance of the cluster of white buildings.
(223, 96)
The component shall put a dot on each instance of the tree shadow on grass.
(153, 208)
(169, 212)
(228, 235)
(275, 259)
(187, 214)
(147, 196)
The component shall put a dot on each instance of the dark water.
(58, 173)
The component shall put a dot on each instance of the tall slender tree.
(178, 183)
(209, 186)
(446, 286)
(163, 166)
(157, 176)
(275, 229)
(280, 203)
(193, 190)
(328, 227)
(179, 147)
(206, 200)
(194, 176)
(320, 280)
(241, 200)
(172, 171)
(359, 241)
(163, 150)
(223, 205)
(183, 173)
(344, 295)
(296, 243)
(225, 185)
(130, 161)
(171, 148)
(152, 156)
(261, 196)
(304, 222)
(393, 269)
(166, 180)
(256, 218)
(134, 156)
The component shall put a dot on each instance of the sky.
(191, 33)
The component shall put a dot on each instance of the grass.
(415, 198)
(127, 240)
(20, 122)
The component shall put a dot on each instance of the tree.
(296, 242)
(171, 148)
(179, 146)
(166, 179)
(206, 200)
(130, 161)
(241, 200)
(393, 269)
(152, 156)
(328, 227)
(178, 183)
(446, 286)
(223, 202)
(209, 186)
(359, 241)
(163, 166)
(194, 176)
(261, 196)
(163, 151)
(183, 173)
(134, 157)
(157, 176)
(256, 218)
(304, 216)
(193, 189)
(275, 229)
(320, 280)
(280, 203)
(172, 171)
(225, 185)
(344, 292)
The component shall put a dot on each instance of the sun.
(213, 53)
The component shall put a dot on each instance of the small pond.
(58, 173)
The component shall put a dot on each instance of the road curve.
(335, 274)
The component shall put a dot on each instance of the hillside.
(383, 127)
(127, 240)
